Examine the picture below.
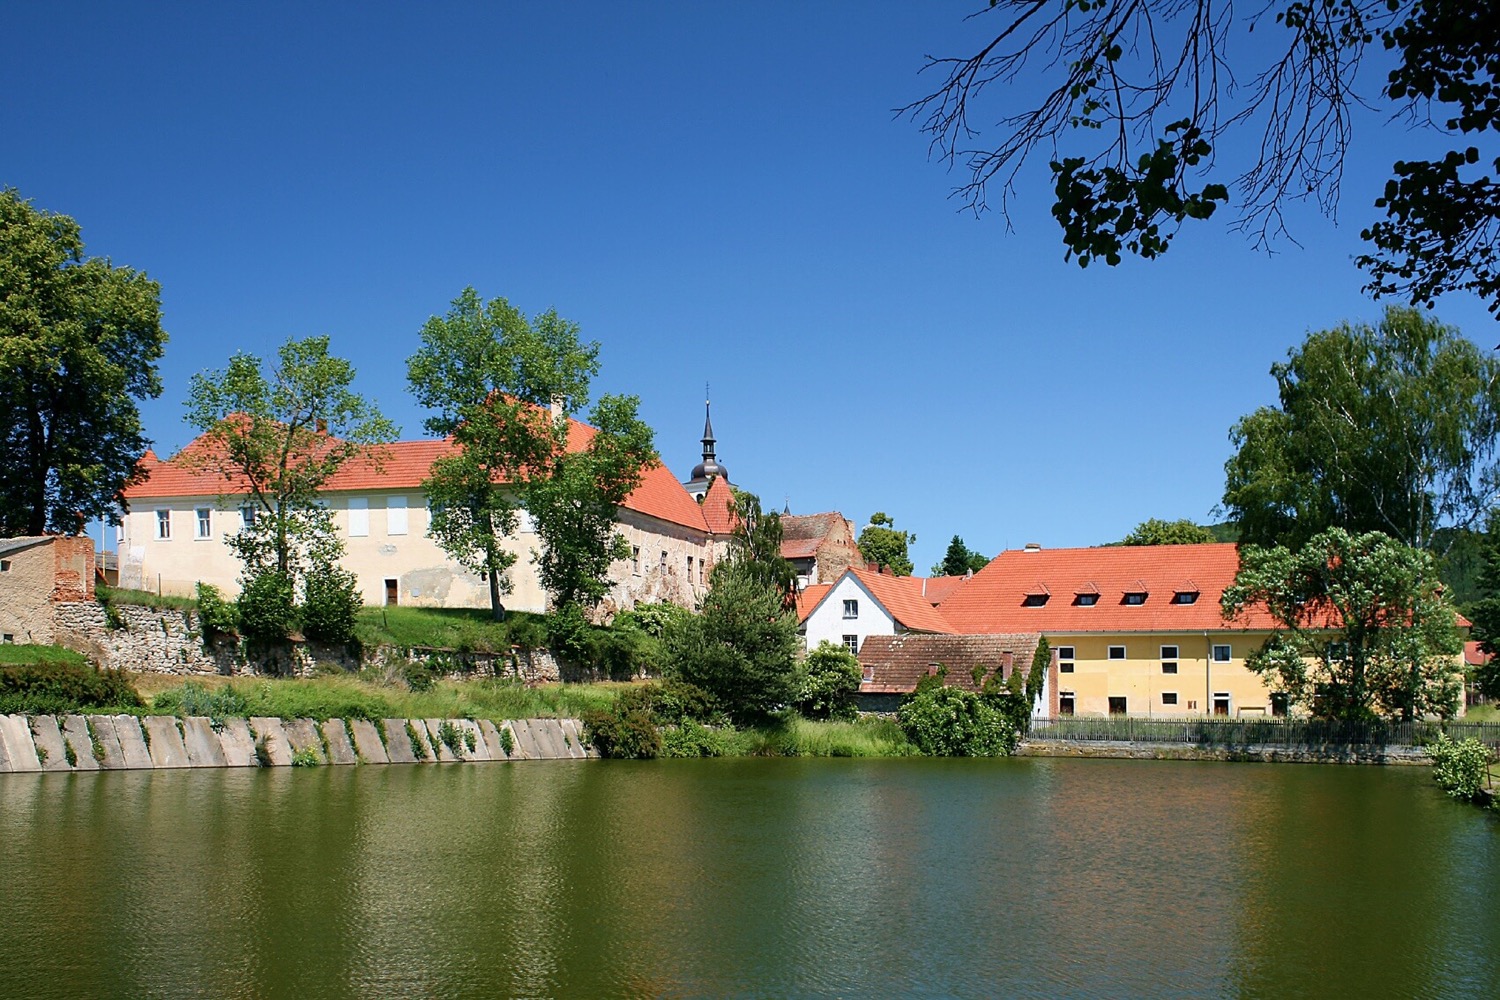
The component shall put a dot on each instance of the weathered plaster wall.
(25, 589)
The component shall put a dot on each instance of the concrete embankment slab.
(336, 739)
(271, 739)
(49, 743)
(550, 737)
(132, 742)
(237, 744)
(103, 727)
(4, 755)
(75, 730)
(573, 733)
(19, 746)
(432, 729)
(165, 743)
(468, 730)
(202, 743)
(302, 735)
(490, 734)
(398, 746)
(367, 742)
(526, 744)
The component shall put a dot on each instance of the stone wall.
(125, 742)
(169, 641)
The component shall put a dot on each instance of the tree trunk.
(497, 610)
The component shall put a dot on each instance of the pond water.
(928, 878)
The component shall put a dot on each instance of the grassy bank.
(12, 653)
(348, 696)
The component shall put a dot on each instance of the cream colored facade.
(396, 561)
(1159, 674)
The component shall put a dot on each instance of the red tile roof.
(893, 664)
(937, 589)
(718, 507)
(402, 465)
(810, 597)
(994, 600)
(1474, 656)
(904, 604)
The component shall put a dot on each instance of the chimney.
(1033, 547)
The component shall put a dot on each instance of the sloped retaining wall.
(125, 742)
(1121, 749)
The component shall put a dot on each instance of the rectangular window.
(635, 559)
(205, 522)
(1169, 697)
(1185, 597)
(851, 609)
(247, 516)
(1065, 666)
(164, 524)
(1221, 703)
(1278, 704)
(1168, 666)
(1065, 659)
(1065, 652)
(1222, 653)
(700, 571)
(1169, 652)
(359, 517)
(663, 564)
(395, 515)
(1117, 652)
(1135, 597)
(1065, 703)
(1116, 705)
(8, 639)
(690, 569)
(851, 643)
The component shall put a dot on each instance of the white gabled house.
(862, 603)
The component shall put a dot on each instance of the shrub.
(266, 605)
(526, 631)
(623, 654)
(690, 739)
(1461, 767)
(830, 684)
(569, 634)
(330, 604)
(53, 688)
(627, 733)
(216, 615)
(420, 675)
(950, 722)
(652, 619)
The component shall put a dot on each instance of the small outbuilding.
(36, 574)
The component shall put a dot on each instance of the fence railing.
(1258, 732)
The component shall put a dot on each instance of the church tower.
(708, 469)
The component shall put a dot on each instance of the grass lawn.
(1482, 713)
(349, 696)
(142, 598)
(11, 653)
(444, 628)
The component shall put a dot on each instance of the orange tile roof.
(810, 597)
(800, 548)
(718, 507)
(993, 601)
(934, 589)
(904, 604)
(404, 464)
(1474, 656)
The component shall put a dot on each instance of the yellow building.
(1135, 630)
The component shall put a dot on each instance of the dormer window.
(1135, 597)
(1035, 600)
(1086, 600)
(1185, 597)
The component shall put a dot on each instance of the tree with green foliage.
(741, 647)
(756, 547)
(1365, 628)
(1140, 100)
(79, 343)
(275, 438)
(503, 387)
(1392, 428)
(1155, 531)
(960, 560)
(830, 683)
(1485, 611)
(882, 544)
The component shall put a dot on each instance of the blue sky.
(716, 193)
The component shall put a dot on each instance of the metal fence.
(1211, 732)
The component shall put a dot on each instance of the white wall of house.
(831, 619)
(385, 537)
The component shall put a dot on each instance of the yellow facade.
(1160, 674)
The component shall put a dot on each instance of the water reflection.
(749, 878)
